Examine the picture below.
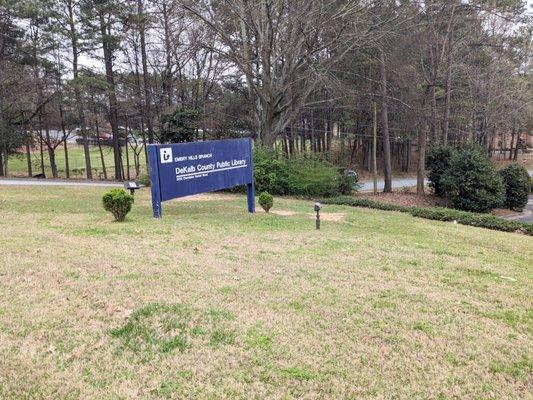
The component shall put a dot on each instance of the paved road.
(366, 185)
(396, 183)
(526, 215)
(58, 182)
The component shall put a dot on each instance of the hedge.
(366, 203)
(298, 176)
(488, 221)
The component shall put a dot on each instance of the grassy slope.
(222, 304)
(18, 165)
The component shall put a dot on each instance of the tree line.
(305, 76)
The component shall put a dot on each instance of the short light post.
(318, 206)
(132, 187)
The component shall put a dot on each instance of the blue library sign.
(178, 170)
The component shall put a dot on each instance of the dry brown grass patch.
(375, 305)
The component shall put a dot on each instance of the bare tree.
(283, 49)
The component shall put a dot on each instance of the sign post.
(178, 170)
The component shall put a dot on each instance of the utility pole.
(374, 146)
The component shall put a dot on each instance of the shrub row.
(366, 203)
(488, 221)
(469, 179)
(299, 176)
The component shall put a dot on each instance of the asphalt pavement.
(396, 183)
(365, 185)
(526, 215)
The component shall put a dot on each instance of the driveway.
(396, 184)
(365, 185)
(526, 215)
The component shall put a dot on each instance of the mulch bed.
(406, 199)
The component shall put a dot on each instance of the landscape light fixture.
(132, 187)
(318, 206)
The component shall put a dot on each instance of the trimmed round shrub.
(471, 182)
(118, 203)
(517, 184)
(266, 201)
(437, 162)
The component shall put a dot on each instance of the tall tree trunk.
(4, 165)
(374, 146)
(517, 146)
(285, 144)
(111, 94)
(406, 148)
(39, 93)
(77, 93)
(447, 101)
(268, 138)
(28, 157)
(127, 152)
(41, 151)
(434, 118)
(147, 98)
(385, 125)
(137, 162)
(138, 92)
(51, 151)
(67, 168)
(167, 82)
(145, 148)
(432, 95)
(448, 78)
(421, 168)
(28, 151)
(329, 130)
(368, 154)
(291, 140)
(102, 159)
(353, 152)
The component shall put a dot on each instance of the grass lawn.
(212, 303)
(18, 164)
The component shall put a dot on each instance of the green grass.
(18, 164)
(211, 302)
